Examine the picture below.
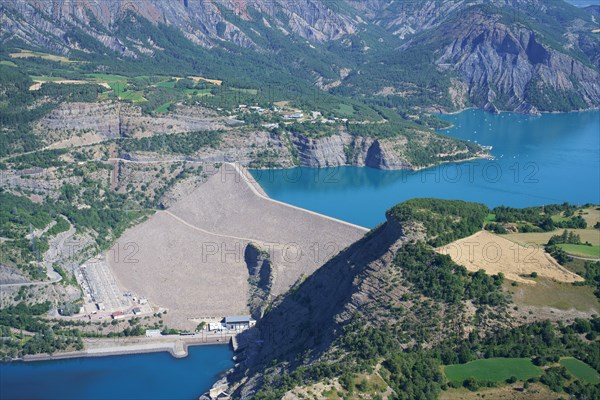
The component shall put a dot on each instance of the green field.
(580, 370)
(8, 63)
(166, 84)
(108, 77)
(490, 218)
(345, 109)
(549, 293)
(120, 89)
(46, 78)
(164, 108)
(493, 369)
(581, 250)
(253, 92)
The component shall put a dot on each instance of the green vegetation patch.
(180, 143)
(444, 220)
(345, 110)
(493, 369)
(166, 84)
(108, 77)
(438, 277)
(163, 108)
(580, 370)
(581, 250)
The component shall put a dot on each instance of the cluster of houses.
(291, 115)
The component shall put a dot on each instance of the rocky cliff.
(54, 23)
(312, 316)
(509, 67)
(260, 278)
(93, 123)
(386, 297)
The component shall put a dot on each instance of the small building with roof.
(239, 322)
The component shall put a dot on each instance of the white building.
(239, 322)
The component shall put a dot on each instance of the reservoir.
(538, 160)
(140, 376)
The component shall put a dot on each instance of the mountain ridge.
(340, 45)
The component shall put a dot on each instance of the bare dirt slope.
(191, 258)
(495, 254)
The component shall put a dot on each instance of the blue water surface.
(538, 160)
(140, 376)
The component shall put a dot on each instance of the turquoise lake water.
(539, 160)
(140, 376)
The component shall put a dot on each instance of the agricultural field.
(581, 250)
(493, 369)
(8, 63)
(541, 238)
(108, 77)
(44, 56)
(202, 79)
(547, 293)
(535, 391)
(591, 216)
(580, 370)
(495, 254)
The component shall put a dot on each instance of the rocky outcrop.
(345, 149)
(260, 278)
(111, 120)
(205, 23)
(311, 316)
(504, 66)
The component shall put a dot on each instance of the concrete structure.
(294, 116)
(239, 322)
(153, 333)
(190, 259)
(117, 315)
(215, 326)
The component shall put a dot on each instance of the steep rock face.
(345, 149)
(260, 272)
(519, 55)
(324, 152)
(90, 123)
(312, 316)
(204, 22)
(111, 120)
(103, 118)
(500, 64)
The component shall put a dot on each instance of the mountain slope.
(523, 55)
(385, 317)
(371, 288)
(510, 66)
